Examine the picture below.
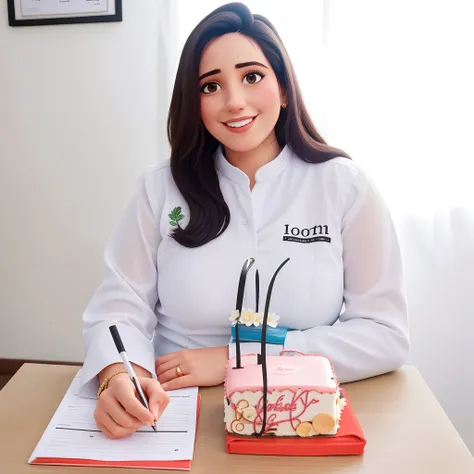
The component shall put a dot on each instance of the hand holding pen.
(125, 407)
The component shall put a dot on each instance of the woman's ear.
(283, 99)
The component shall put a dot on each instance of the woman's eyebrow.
(250, 63)
(210, 73)
(237, 66)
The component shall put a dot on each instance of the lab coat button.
(244, 222)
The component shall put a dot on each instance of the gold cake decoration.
(304, 429)
(323, 423)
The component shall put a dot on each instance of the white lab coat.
(344, 267)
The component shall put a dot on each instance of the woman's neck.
(250, 161)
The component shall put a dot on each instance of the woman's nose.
(235, 100)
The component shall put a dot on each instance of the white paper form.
(72, 432)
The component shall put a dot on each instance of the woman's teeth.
(239, 124)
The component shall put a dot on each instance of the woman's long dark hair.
(193, 147)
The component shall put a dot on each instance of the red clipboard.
(349, 441)
(184, 465)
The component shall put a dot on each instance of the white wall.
(78, 124)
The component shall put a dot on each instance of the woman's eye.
(210, 88)
(253, 78)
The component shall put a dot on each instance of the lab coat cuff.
(102, 352)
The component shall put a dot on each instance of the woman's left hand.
(199, 367)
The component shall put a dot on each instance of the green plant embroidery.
(175, 216)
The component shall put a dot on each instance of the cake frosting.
(303, 397)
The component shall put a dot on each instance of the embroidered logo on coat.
(317, 233)
(175, 216)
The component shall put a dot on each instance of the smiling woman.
(236, 88)
(249, 175)
(243, 95)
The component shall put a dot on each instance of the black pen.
(128, 366)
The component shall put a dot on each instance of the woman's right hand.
(120, 413)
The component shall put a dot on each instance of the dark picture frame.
(66, 19)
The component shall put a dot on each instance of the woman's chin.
(242, 144)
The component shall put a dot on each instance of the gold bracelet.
(105, 383)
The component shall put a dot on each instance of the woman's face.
(240, 94)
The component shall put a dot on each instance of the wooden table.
(406, 429)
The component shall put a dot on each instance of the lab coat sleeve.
(371, 336)
(127, 294)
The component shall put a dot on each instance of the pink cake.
(277, 395)
(303, 397)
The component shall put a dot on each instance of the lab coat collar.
(267, 172)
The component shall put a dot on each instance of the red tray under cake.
(349, 440)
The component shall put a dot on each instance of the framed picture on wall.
(54, 12)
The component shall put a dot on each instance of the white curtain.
(391, 83)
